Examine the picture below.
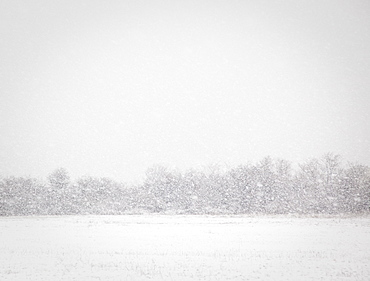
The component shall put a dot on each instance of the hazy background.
(108, 88)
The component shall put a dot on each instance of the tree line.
(270, 186)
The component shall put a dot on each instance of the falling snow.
(271, 186)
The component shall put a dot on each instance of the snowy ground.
(184, 248)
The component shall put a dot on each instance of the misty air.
(184, 140)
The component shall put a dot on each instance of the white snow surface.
(184, 248)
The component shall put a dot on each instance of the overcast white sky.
(109, 88)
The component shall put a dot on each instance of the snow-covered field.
(184, 248)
